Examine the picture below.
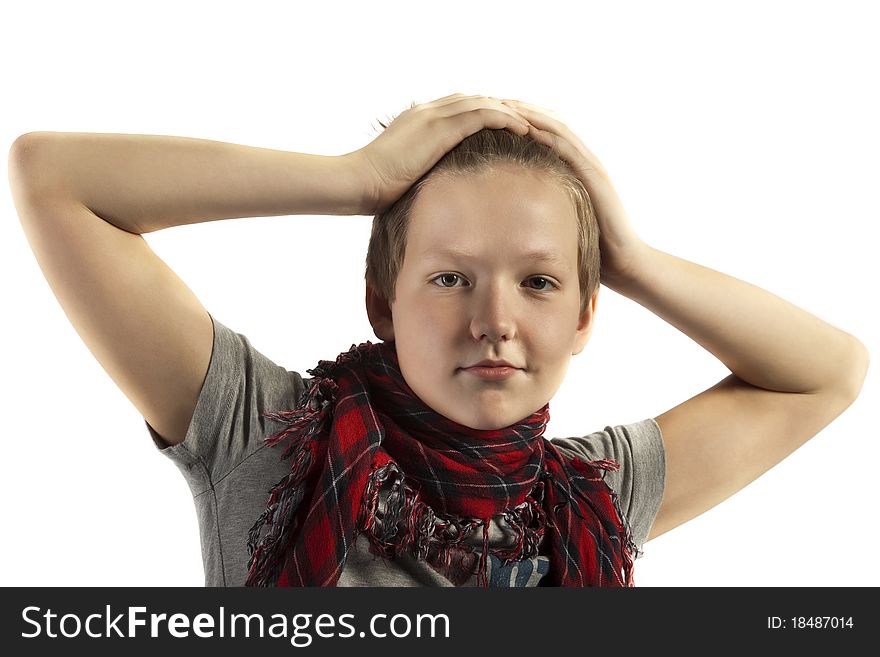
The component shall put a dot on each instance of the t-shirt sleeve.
(227, 427)
(641, 478)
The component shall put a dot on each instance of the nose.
(493, 313)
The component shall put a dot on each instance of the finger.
(487, 117)
(543, 121)
(548, 124)
(449, 99)
(586, 168)
(577, 155)
(456, 97)
(519, 104)
(539, 117)
(469, 104)
(561, 146)
(440, 102)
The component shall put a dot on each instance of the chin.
(489, 424)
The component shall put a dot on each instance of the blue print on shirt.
(517, 573)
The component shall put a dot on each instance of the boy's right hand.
(417, 139)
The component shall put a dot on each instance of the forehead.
(502, 210)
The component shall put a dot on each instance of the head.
(492, 199)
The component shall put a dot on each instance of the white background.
(741, 135)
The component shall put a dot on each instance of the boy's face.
(451, 312)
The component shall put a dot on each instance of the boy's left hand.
(619, 244)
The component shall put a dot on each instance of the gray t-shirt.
(230, 472)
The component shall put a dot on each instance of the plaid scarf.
(360, 433)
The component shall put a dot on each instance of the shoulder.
(238, 366)
(241, 385)
(641, 478)
(623, 443)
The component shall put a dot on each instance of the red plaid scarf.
(360, 432)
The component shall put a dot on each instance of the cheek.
(548, 332)
(551, 344)
(420, 332)
(430, 313)
(432, 318)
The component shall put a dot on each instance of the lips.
(491, 373)
(493, 363)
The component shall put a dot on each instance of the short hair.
(477, 153)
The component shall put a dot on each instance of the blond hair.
(475, 154)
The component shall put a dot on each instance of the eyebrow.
(538, 255)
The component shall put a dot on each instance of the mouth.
(491, 373)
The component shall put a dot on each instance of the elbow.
(855, 370)
(24, 164)
(24, 148)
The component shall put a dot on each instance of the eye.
(545, 280)
(446, 276)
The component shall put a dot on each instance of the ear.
(379, 313)
(585, 324)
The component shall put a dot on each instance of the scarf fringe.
(409, 525)
(279, 519)
(311, 415)
(270, 536)
(630, 550)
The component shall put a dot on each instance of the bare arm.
(84, 200)
(143, 183)
(792, 374)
